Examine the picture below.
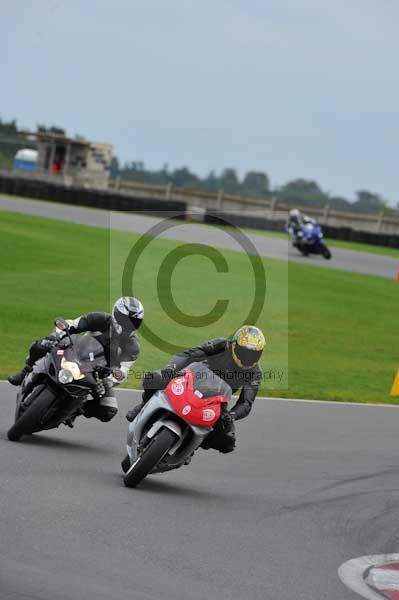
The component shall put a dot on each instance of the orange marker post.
(395, 385)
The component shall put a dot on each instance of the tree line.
(297, 192)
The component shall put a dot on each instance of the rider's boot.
(71, 421)
(188, 459)
(18, 378)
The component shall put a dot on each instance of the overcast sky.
(297, 88)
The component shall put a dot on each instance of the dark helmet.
(127, 314)
(247, 346)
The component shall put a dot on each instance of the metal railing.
(200, 201)
(270, 208)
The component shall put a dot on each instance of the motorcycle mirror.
(60, 323)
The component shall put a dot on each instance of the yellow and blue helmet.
(247, 346)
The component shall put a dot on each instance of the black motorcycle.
(57, 388)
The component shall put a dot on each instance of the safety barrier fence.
(151, 200)
(268, 208)
(336, 233)
(82, 196)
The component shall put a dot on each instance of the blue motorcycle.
(309, 240)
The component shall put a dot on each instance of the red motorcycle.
(173, 424)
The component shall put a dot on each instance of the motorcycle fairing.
(68, 398)
(87, 352)
(159, 406)
(312, 232)
(190, 406)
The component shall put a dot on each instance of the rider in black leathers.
(117, 333)
(235, 361)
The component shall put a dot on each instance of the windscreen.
(86, 350)
(208, 383)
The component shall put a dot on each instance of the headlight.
(65, 376)
(73, 368)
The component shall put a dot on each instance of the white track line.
(351, 573)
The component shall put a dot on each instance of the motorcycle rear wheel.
(30, 420)
(152, 454)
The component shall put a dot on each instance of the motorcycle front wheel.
(303, 250)
(161, 443)
(325, 251)
(30, 420)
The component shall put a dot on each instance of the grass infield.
(330, 333)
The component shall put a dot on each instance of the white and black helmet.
(127, 314)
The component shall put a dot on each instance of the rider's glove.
(153, 380)
(60, 333)
(158, 380)
(227, 419)
(118, 376)
(169, 373)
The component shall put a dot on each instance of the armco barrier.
(336, 233)
(242, 220)
(106, 199)
(119, 201)
(268, 207)
(363, 237)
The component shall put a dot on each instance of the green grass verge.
(338, 325)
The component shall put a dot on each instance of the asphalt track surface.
(346, 260)
(310, 486)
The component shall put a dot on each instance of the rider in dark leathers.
(117, 334)
(235, 361)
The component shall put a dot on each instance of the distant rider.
(117, 332)
(233, 360)
(295, 222)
